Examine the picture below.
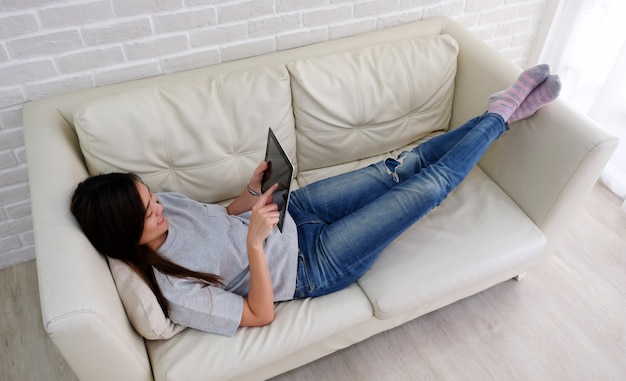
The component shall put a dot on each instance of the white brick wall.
(49, 47)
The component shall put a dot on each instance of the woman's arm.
(245, 201)
(258, 307)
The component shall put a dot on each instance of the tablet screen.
(279, 171)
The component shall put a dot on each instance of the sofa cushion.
(298, 326)
(142, 308)
(473, 240)
(360, 103)
(190, 135)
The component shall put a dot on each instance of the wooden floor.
(565, 321)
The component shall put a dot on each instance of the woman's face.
(155, 225)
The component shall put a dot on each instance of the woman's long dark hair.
(111, 213)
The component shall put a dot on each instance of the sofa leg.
(519, 276)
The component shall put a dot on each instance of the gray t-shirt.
(203, 237)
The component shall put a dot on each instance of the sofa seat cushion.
(476, 236)
(189, 135)
(361, 103)
(299, 324)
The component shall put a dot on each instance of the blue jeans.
(345, 222)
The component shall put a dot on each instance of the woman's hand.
(264, 217)
(257, 176)
(246, 201)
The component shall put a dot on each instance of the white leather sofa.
(336, 106)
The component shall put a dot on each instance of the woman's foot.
(506, 102)
(543, 94)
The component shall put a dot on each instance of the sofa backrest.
(365, 102)
(202, 137)
(192, 135)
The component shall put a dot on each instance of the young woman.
(215, 269)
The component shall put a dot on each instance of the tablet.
(279, 171)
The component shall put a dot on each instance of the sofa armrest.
(82, 312)
(548, 163)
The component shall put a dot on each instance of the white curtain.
(586, 45)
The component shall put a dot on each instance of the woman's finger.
(261, 167)
(266, 198)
